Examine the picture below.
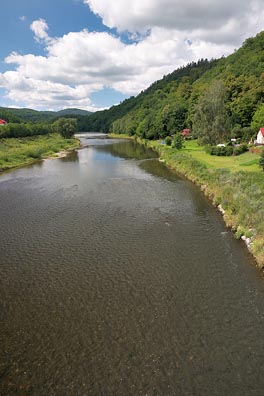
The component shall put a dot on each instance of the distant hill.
(177, 101)
(29, 115)
(73, 111)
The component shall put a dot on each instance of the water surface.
(117, 277)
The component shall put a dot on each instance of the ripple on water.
(115, 280)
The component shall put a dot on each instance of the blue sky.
(92, 54)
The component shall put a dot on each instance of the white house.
(260, 136)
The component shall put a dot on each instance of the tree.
(177, 141)
(258, 118)
(261, 160)
(211, 118)
(67, 127)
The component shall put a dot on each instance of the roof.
(262, 131)
(2, 121)
(186, 132)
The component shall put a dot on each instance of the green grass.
(23, 151)
(247, 161)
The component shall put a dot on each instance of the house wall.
(260, 138)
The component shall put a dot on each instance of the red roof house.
(2, 122)
(186, 132)
(260, 136)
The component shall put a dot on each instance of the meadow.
(16, 152)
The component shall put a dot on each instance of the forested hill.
(102, 121)
(29, 115)
(216, 97)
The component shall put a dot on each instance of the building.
(2, 122)
(260, 136)
(186, 133)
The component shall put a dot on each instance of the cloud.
(80, 63)
(215, 21)
(40, 28)
(172, 33)
(22, 18)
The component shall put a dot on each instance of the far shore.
(20, 152)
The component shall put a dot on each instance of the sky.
(92, 54)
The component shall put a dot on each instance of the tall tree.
(65, 126)
(258, 118)
(211, 119)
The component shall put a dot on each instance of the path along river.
(118, 278)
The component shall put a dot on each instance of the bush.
(261, 160)
(168, 140)
(229, 151)
(240, 149)
(177, 141)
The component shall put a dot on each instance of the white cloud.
(40, 28)
(208, 19)
(80, 63)
(22, 18)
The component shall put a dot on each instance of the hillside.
(185, 98)
(29, 115)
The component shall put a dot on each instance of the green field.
(23, 151)
(247, 161)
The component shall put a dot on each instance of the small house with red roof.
(186, 133)
(2, 122)
(260, 136)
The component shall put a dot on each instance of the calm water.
(117, 278)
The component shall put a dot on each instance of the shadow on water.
(128, 150)
(71, 157)
(157, 168)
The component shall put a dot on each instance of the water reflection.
(128, 150)
(157, 168)
(72, 156)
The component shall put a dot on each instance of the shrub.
(177, 141)
(168, 140)
(240, 149)
(261, 160)
(229, 151)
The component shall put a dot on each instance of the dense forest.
(26, 122)
(34, 116)
(216, 99)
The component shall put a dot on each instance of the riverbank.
(18, 152)
(238, 194)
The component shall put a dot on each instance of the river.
(119, 278)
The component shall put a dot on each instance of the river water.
(118, 278)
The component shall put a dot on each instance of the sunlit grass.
(246, 161)
(23, 151)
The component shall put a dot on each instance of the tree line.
(65, 126)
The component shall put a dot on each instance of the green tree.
(261, 160)
(177, 141)
(211, 118)
(67, 127)
(258, 118)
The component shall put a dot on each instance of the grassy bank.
(23, 151)
(247, 161)
(234, 184)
